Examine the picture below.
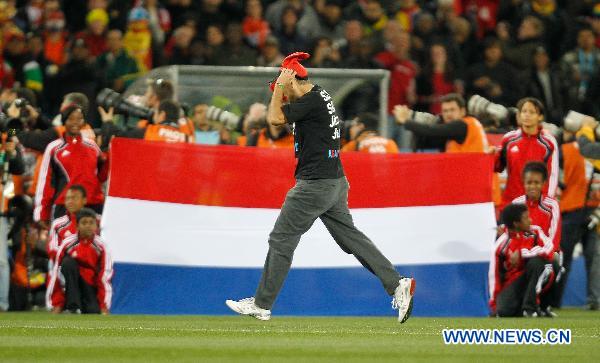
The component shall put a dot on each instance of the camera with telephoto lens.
(228, 119)
(10, 126)
(594, 219)
(21, 104)
(481, 107)
(108, 98)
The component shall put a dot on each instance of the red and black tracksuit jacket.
(67, 161)
(95, 268)
(545, 213)
(518, 149)
(501, 272)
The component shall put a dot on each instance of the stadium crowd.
(461, 71)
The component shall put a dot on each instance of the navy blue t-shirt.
(317, 130)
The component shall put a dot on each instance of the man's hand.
(13, 111)
(104, 311)
(514, 258)
(285, 77)
(56, 310)
(589, 121)
(106, 116)
(33, 113)
(401, 113)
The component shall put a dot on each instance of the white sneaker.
(248, 307)
(403, 298)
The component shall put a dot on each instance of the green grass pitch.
(40, 337)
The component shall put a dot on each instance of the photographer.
(164, 126)
(459, 132)
(37, 139)
(11, 163)
(579, 207)
(587, 138)
(20, 104)
(157, 91)
(364, 136)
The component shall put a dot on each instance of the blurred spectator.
(371, 14)
(177, 49)
(353, 34)
(215, 45)
(78, 74)
(408, 11)
(182, 10)
(217, 12)
(556, 25)
(306, 17)
(330, 23)
(424, 35)
(95, 33)
(26, 70)
(159, 20)
(528, 38)
(364, 136)
(7, 77)
(437, 79)
(117, 68)
(255, 28)
(30, 16)
(35, 46)
(236, 52)
(464, 44)
(483, 12)
(546, 83)
(270, 55)
(290, 39)
(595, 23)
(529, 143)
(86, 266)
(81, 162)
(361, 56)
(55, 37)
(493, 78)
(397, 60)
(325, 54)
(580, 65)
(458, 132)
(138, 38)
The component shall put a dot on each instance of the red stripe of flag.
(250, 177)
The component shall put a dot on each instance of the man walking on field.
(321, 191)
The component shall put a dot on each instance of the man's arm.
(454, 130)
(275, 114)
(37, 139)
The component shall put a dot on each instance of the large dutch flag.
(188, 227)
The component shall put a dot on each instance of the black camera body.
(108, 98)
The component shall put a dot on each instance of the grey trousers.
(308, 200)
